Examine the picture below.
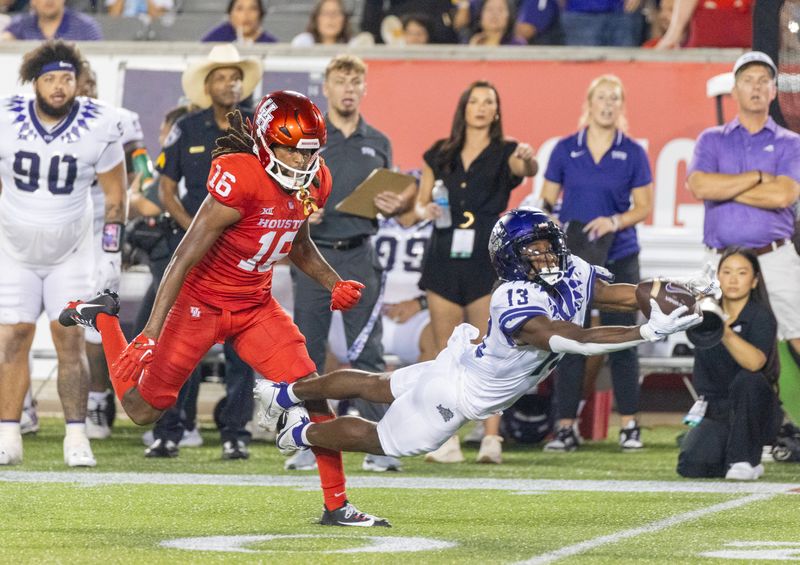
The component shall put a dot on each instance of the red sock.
(114, 343)
(331, 470)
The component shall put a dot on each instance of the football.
(668, 294)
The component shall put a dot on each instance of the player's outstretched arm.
(620, 297)
(307, 258)
(565, 337)
(210, 221)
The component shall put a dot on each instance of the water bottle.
(442, 199)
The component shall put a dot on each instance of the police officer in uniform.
(354, 149)
(216, 85)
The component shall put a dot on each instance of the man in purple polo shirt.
(50, 19)
(747, 172)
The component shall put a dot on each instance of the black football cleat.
(80, 313)
(235, 449)
(162, 448)
(348, 515)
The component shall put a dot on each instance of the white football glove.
(108, 272)
(661, 325)
(703, 282)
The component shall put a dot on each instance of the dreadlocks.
(237, 138)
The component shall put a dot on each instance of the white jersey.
(131, 132)
(400, 250)
(47, 173)
(498, 371)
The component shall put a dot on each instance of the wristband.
(113, 233)
(423, 302)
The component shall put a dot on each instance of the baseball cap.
(755, 57)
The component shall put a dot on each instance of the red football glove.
(345, 295)
(133, 360)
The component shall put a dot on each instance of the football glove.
(703, 282)
(345, 295)
(135, 358)
(661, 325)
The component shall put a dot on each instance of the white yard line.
(650, 528)
(311, 482)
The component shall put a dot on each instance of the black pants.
(734, 429)
(239, 376)
(624, 364)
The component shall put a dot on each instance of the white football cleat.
(266, 393)
(290, 429)
(491, 450)
(744, 471)
(11, 449)
(78, 451)
(97, 419)
(448, 452)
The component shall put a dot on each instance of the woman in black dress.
(479, 167)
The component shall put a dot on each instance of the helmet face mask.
(288, 119)
(526, 245)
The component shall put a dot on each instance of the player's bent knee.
(140, 411)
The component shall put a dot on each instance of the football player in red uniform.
(265, 180)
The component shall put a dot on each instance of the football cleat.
(162, 448)
(381, 463)
(80, 313)
(290, 430)
(566, 440)
(11, 449)
(97, 426)
(630, 437)
(448, 452)
(78, 451)
(235, 449)
(491, 450)
(349, 515)
(304, 460)
(273, 402)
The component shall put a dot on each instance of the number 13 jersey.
(47, 172)
(236, 273)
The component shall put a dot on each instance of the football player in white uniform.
(536, 316)
(140, 169)
(52, 147)
(400, 244)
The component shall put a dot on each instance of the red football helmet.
(288, 118)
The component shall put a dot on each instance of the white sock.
(75, 429)
(100, 399)
(9, 429)
(292, 396)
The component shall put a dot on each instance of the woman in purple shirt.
(243, 25)
(600, 171)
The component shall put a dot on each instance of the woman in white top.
(328, 24)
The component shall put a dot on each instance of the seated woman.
(735, 378)
(328, 24)
(243, 24)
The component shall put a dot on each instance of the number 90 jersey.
(236, 273)
(47, 173)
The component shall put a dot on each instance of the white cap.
(755, 57)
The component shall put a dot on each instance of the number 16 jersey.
(236, 273)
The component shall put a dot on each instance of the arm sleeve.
(555, 165)
(704, 158)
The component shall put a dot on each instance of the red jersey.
(236, 273)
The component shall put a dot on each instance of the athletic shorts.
(401, 340)
(264, 337)
(26, 290)
(424, 413)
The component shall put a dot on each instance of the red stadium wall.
(413, 103)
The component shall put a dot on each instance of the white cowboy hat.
(194, 77)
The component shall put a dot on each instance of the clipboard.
(360, 202)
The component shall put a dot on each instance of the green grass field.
(594, 506)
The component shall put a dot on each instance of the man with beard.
(52, 147)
